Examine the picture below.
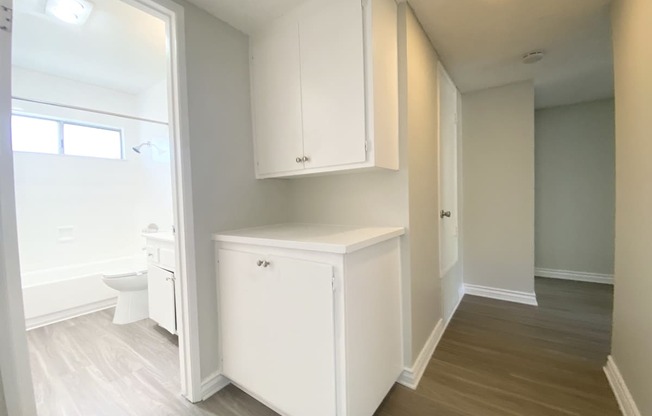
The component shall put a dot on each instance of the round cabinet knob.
(266, 263)
(299, 160)
(259, 263)
(306, 159)
(443, 214)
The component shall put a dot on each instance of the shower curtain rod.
(89, 110)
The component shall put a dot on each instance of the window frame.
(61, 122)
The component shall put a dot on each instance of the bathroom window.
(29, 134)
(40, 135)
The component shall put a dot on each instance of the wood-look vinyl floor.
(495, 359)
(499, 358)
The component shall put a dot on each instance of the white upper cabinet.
(325, 89)
(276, 78)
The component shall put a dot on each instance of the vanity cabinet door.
(160, 293)
(277, 330)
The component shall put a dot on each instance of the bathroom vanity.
(310, 316)
(161, 262)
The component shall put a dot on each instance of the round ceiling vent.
(532, 57)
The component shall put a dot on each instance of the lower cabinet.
(311, 333)
(160, 293)
(278, 330)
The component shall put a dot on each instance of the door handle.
(443, 214)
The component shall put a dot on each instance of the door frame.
(15, 371)
(14, 361)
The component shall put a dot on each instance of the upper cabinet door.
(333, 83)
(276, 82)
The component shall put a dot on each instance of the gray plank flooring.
(495, 359)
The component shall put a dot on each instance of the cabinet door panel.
(160, 293)
(277, 331)
(276, 98)
(333, 80)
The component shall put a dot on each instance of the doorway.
(63, 119)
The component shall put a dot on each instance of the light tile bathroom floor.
(88, 366)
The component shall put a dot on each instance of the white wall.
(155, 193)
(498, 175)
(226, 194)
(632, 331)
(107, 201)
(575, 187)
(405, 198)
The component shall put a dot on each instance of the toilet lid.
(124, 274)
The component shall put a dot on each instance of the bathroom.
(92, 163)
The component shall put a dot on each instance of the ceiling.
(246, 15)
(481, 41)
(95, 52)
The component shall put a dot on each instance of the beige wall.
(225, 193)
(574, 187)
(423, 180)
(498, 175)
(632, 331)
(406, 198)
(3, 405)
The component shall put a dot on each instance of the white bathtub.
(66, 292)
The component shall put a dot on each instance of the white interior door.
(449, 218)
(17, 396)
(277, 330)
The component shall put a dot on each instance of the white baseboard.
(212, 384)
(410, 377)
(460, 296)
(501, 294)
(607, 279)
(51, 318)
(624, 397)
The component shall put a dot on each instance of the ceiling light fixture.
(75, 12)
(532, 57)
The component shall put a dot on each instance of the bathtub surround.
(79, 217)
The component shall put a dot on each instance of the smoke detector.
(532, 57)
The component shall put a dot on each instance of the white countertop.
(166, 236)
(324, 238)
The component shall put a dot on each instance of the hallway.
(498, 358)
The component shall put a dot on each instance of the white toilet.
(132, 301)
